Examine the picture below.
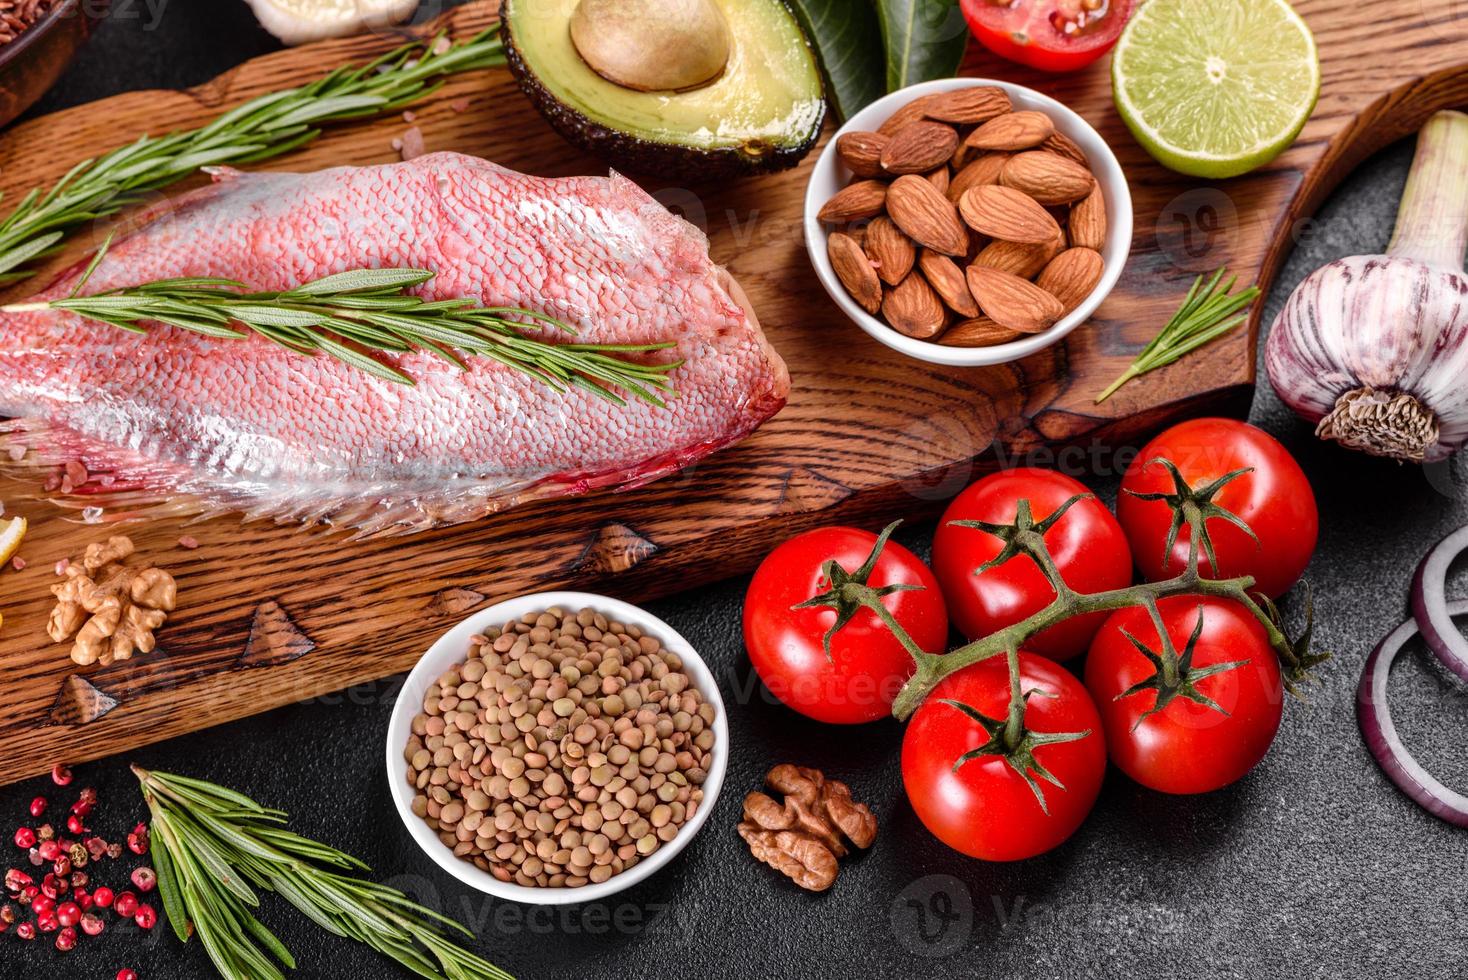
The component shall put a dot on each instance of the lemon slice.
(10, 538)
(1215, 89)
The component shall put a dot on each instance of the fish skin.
(243, 425)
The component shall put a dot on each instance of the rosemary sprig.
(214, 849)
(1206, 314)
(349, 314)
(257, 130)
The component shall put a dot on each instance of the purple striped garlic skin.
(1375, 350)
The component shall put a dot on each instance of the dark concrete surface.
(1312, 866)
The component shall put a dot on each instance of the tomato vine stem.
(1025, 536)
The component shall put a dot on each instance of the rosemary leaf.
(262, 128)
(1206, 314)
(198, 825)
(358, 316)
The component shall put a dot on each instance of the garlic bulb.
(1374, 348)
(302, 21)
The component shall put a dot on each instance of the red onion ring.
(1381, 735)
(1430, 603)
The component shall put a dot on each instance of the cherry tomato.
(867, 665)
(1188, 746)
(1274, 499)
(985, 808)
(1086, 544)
(1052, 35)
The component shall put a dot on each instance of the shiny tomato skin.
(1087, 545)
(1023, 31)
(985, 809)
(1187, 747)
(1275, 500)
(867, 665)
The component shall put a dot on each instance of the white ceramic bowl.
(451, 649)
(829, 176)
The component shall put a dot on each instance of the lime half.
(1215, 89)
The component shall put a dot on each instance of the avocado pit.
(652, 45)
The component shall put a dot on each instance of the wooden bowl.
(31, 63)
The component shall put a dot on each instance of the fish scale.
(197, 424)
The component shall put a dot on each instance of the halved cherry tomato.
(1189, 746)
(1273, 498)
(867, 665)
(984, 807)
(1052, 35)
(1087, 545)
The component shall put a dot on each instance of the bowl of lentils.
(557, 748)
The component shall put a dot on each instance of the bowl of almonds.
(557, 748)
(968, 222)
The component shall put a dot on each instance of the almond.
(906, 116)
(940, 178)
(1017, 259)
(977, 332)
(855, 271)
(862, 153)
(1072, 275)
(919, 147)
(947, 280)
(1058, 142)
(861, 200)
(926, 216)
(1013, 302)
(1047, 177)
(984, 170)
(914, 309)
(890, 250)
(1088, 221)
(967, 106)
(1012, 131)
(1007, 214)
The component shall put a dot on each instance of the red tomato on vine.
(1086, 544)
(1238, 476)
(1192, 712)
(996, 806)
(787, 628)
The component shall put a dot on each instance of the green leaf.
(361, 280)
(925, 39)
(848, 40)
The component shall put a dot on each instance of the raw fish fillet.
(242, 425)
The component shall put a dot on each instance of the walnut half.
(803, 836)
(113, 609)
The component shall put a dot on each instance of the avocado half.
(763, 113)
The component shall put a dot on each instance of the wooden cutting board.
(270, 614)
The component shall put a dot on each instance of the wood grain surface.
(271, 614)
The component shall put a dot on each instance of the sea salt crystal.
(188, 542)
(18, 563)
(92, 515)
(412, 144)
(17, 453)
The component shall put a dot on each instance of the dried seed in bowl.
(566, 734)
